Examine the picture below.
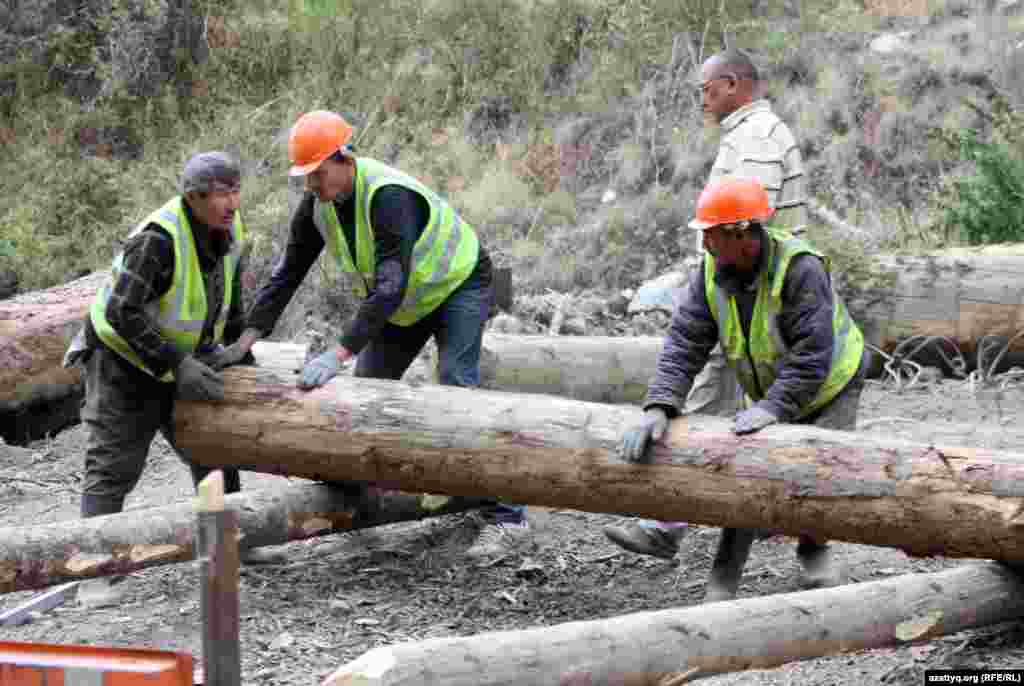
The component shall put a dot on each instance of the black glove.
(226, 356)
(635, 441)
(78, 352)
(196, 381)
(753, 419)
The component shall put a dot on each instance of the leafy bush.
(989, 205)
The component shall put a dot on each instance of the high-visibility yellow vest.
(443, 257)
(180, 313)
(757, 359)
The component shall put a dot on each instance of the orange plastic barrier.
(40, 664)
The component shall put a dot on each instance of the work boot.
(252, 557)
(727, 569)
(654, 540)
(819, 569)
(495, 540)
(102, 591)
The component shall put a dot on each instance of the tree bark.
(659, 648)
(544, 450)
(39, 556)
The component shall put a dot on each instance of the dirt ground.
(340, 596)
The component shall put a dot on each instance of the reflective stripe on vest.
(180, 313)
(758, 361)
(442, 258)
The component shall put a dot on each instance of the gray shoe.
(495, 540)
(727, 568)
(819, 567)
(647, 540)
(257, 556)
(716, 591)
(102, 591)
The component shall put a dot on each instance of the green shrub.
(989, 205)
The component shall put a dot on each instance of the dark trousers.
(124, 408)
(458, 329)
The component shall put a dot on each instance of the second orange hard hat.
(729, 200)
(316, 136)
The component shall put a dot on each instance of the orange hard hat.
(316, 136)
(729, 200)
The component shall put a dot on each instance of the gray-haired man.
(755, 143)
(156, 331)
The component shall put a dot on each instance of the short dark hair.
(739, 63)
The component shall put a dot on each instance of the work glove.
(320, 370)
(196, 381)
(753, 419)
(633, 447)
(78, 352)
(225, 356)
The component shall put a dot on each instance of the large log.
(35, 330)
(681, 645)
(545, 450)
(38, 556)
(962, 294)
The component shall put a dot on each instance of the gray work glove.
(753, 419)
(78, 352)
(319, 370)
(224, 356)
(196, 381)
(633, 447)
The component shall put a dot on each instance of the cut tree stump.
(682, 645)
(543, 450)
(39, 556)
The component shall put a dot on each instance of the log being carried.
(923, 499)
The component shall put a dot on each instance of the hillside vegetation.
(568, 131)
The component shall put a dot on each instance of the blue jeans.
(457, 326)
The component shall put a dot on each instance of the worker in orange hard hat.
(768, 298)
(415, 262)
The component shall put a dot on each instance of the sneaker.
(647, 540)
(257, 556)
(819, 569)
(717, 591)
(499, 539)
(102, 591)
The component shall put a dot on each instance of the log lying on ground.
(658, 648)
(962, 294)
(38, 556)
(602, 369)
(545, 450)
(35, 330)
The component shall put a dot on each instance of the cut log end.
(371, 669)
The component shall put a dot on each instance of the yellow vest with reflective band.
(443, 257)
(180, 313)
(756, 361)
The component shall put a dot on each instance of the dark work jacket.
(805, 323)
(398, 216)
